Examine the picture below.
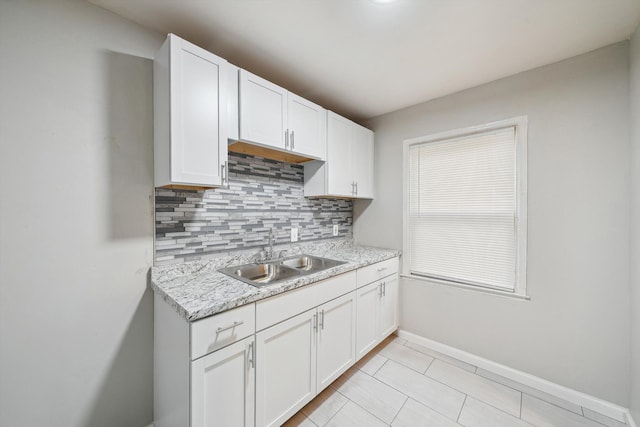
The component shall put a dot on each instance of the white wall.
(635, 225)
(575, 329)
(76, 318)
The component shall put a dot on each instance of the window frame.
(520, 125)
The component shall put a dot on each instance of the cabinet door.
(307, 127)
(286, 368)
(263, 111)
(339, 169)
(336, 338)
(367, 330)
(199, 127)
(362, 157)
(389, 306)
(222, 387)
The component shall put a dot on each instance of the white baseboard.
(609, 409)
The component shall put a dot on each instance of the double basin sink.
(267, 273)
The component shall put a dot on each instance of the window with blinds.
(463, 219)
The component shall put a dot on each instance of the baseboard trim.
(585, 400)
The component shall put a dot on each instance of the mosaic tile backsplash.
(262, 194)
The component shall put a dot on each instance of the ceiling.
(362, 59)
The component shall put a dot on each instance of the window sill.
(467, 287)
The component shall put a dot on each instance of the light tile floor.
(404, 384)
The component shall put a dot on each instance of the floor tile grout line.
(505, 385)
(559, 407)
(419, 401)
(565, 409)
(366, 410)
(433, 355)
(522, 393)
(347, 400)
(342, 407)
(518, 390)
(601, 423)
(399, 410)
(475, 397)
(412, 349)
(461, 408)
(384, 363)
(520, 416)
(430, 363)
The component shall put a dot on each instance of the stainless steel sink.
(265, 273)
(262, 274)
(310, 263)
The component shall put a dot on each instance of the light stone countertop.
(197, 290)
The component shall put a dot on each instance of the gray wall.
(575, 329)
(635, 225)
(76, 216)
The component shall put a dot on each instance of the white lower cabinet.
(377, 315)
(336, 338)
(285, 373)
(222, 386)
(388, 306)
(298, 358)
(367, 319)
(259, 364)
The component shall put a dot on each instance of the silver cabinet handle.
(380, 290)
(315, 322)
(384, 289)
(293, 141)
(353, 188)
(225, 172)
(251, 355)
(322, 320)
(226, 328)
(381, 269)
(356, 188)
(286, 139)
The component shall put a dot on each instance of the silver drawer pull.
(226, 328)
(380, 270)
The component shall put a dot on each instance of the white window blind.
(462, 213)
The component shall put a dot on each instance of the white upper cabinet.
(272, 117)
(339, 158)
(362, 161)
(263, 111)
(191, 90)
(307, 127)
(348, 171)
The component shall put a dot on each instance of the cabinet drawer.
(280, 307)
(377, 271)
(220, 330)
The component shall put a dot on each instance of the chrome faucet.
(270, 250)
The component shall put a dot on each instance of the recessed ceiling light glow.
(383, 1)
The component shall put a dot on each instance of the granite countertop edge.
(196, 290)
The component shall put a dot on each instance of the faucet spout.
(270, 251)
